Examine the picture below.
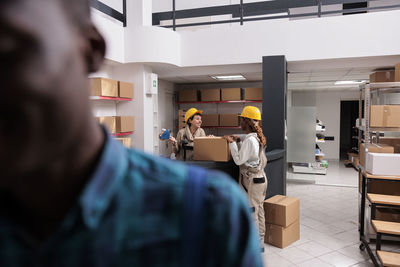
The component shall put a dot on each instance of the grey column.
(273, 122)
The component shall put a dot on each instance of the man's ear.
(95, 49)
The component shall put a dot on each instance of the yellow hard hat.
(191, 112)
(251, 113)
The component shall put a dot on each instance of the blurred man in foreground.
(72, 196)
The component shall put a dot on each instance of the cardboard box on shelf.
(103, 87)
(188, 95)
(182, 112)
(181, 120)
(210, 94)
(374, 148)
(387, 214)
(381, 77)
(356, 162)
(211, 149)
(351, 156)
(383, 164)
(231, 94)
(253, 94)
(391, 141)
(125, 89)
(280, 236)
(228, 120)
(126, 141)
(397, 72)
(385, 116)
(109, 123)
(282, 210)
(125, 124)
(384, 187)
(210, 120)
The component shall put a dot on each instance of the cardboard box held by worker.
(211, 149)
(282, 220)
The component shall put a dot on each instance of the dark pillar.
(273, 122)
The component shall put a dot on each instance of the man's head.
(47, 48)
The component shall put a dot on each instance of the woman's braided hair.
(255, 128)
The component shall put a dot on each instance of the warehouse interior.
(328, 56)
(323, 75)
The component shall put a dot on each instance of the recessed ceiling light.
(229, 77)
(349, 82)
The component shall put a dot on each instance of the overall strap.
(193, 227)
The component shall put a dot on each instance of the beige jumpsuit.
(254, 182)
(185, 134)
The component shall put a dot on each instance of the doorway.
(348, 133)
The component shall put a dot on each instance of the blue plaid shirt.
(130, 214)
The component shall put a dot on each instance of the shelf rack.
(219, 102)
(364, 134)
(109, 98)
(222, 127)
(121, 134)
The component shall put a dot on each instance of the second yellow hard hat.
(251, 113)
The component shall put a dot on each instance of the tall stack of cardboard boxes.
(282, 220)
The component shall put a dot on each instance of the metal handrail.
(224, 10)
(100, 6)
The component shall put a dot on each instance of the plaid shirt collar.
(100, 189)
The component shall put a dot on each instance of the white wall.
(166, 111)
(361, 35)
(337, 37)
(113, 33)
(328, 111)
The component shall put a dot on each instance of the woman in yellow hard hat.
(248, 152)
(186, 135)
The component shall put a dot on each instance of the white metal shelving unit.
(317, 167)
(369, 92)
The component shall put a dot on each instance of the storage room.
(200, 133)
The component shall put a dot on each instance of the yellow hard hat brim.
(197, 112)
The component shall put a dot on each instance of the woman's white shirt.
(247, 151)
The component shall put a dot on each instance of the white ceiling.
(306, 75)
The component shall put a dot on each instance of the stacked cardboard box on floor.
(103, 87)
(211, 149)
(282, 220)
